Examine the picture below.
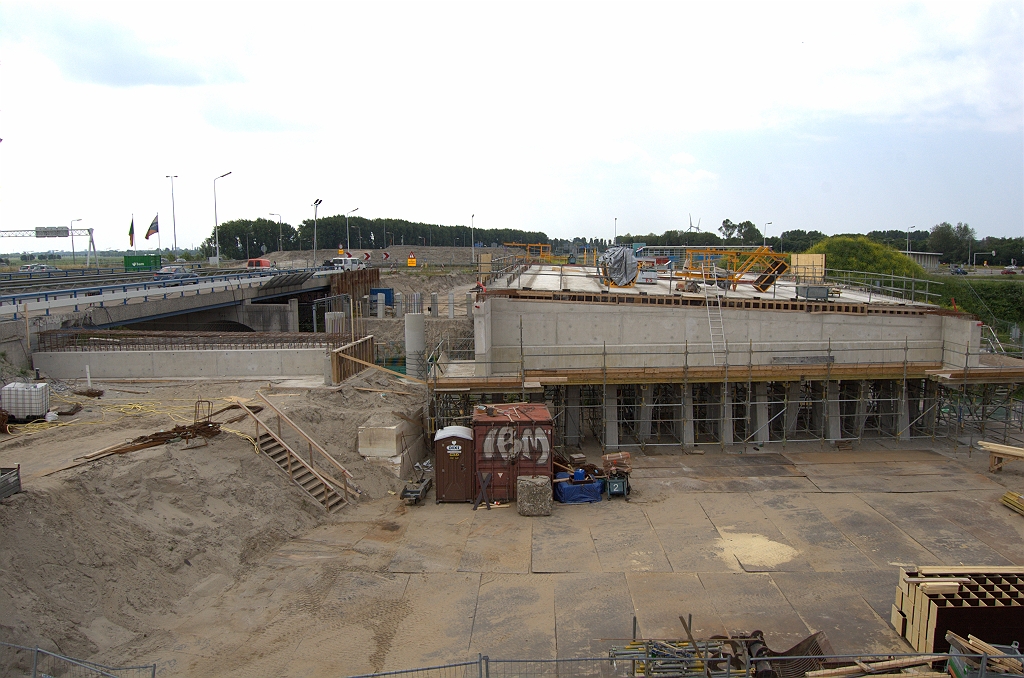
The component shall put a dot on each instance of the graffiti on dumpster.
(510, 443)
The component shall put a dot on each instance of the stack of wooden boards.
(1015, 501)
(997, 660)
(981, 600)
(1000, 454)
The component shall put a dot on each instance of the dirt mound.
(333, 419)
(91, 563)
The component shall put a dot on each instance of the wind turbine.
(692, 227)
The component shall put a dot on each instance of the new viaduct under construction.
(680, 347)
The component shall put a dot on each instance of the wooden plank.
(1008, 450)
(971, 569)
(382, 369)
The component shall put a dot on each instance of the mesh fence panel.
(17, 661)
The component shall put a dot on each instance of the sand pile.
(94, 561)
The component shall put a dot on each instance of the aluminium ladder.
(713, 304)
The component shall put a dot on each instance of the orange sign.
(411, 261)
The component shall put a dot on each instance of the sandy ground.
(208, 562)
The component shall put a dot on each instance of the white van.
(347, 264)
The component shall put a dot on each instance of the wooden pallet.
(985, 601)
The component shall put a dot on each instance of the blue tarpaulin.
(585, 493)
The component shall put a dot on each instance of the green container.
(142, 262)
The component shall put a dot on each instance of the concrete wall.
(172, 364)
(559, 334)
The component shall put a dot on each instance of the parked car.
(956, 270)
(1009, 270)
(182, 275)
(346, 264)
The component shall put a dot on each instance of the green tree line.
(246, 238)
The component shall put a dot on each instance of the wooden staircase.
(327, 491)
(300, 473)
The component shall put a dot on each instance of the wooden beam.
(382, 369)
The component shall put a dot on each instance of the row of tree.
(246, 238)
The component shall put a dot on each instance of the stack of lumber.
(1015, 501)
(997, 661)
(1000, 454)
(980, 600)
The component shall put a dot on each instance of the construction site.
(656, 461)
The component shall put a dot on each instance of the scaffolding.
(899, 394)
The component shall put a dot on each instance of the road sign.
(52, 231)
(411, 261)
(387, 256)
(366, 256)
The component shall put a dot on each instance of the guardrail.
(15, 304)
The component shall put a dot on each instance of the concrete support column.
(792, 406)
(399, 305)
(929, 404)
(861, 409)
(761, 432)
(433, 304)
(725, 420)
(573, 415)
(293, 315)
(835, 424)
(644, 427)
(415, 345)
(611, 417)
(380, 304)
(904, 410)
(887, 406)
(686, 416)
(451, 304)
(469, 304)
(417, 303)
(328, 368)
(818, 408)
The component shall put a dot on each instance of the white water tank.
(25, 401)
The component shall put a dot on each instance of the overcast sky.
(546, 116)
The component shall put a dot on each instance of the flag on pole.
(131, 234)
(153, 227)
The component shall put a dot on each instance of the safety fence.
(687, 665)
(18, 661)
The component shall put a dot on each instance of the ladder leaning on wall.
(712, 302)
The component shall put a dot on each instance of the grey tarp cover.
(621, 264)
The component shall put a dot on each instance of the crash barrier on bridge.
(18, 660)
(81, 340)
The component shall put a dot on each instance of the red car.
(1009, 270)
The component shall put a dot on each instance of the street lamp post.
(912, 228)
(174, 217)
(316, 205)
(615, 232)
(279, 245)
(71, 233)
(216, 221)
(348, 238)
(764, 241)
(472, 238)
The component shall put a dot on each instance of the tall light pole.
(316, 205)
(472, 238)
(348, 239)
(174, 217)
(70, 229)
(909, 229)
(279, 246)
(216, 221)
(764, 242)
(615, 232)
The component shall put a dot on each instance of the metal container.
(454, 469)
(512, 440)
